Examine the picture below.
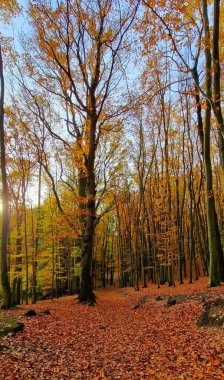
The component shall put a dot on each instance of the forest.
(112, 159)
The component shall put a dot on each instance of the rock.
(30, 313)
(171, 301)
(213, 316)
(19, 326)
(10, 326)
(140, 302)
(46, 312)
(213, 303)
(104, 327)
(159, 298)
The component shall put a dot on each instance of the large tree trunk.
(215, 248)
(86, 283)
(5, 208)
(217, 99)
(82, 183)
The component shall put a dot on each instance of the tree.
(9, 9)
(5, 200)
(81, 47)
(215, 247)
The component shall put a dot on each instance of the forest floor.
(119, 338)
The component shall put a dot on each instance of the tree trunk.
(217, 99)
(86, 285)
(17, 281)
(34, 287)
(5, 208)
(25, 242)
(215, 248)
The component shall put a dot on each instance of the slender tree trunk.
(179, 230)
(25, 243)
(112, 261)
(34, 287)
(191, 207)
(144, 283)
(53, 265)
(33, 259)
(217, 70)
(103, 266)
(5, 200)
(17, 280)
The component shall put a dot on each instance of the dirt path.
(151, 342)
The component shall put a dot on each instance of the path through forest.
(115, 340)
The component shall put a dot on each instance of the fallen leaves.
(113, 341)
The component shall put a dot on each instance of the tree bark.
(17, 280)
(215, 248)
(5, 200)
(86, 285)
(217, 99)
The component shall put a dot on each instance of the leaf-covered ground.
(115, 341)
